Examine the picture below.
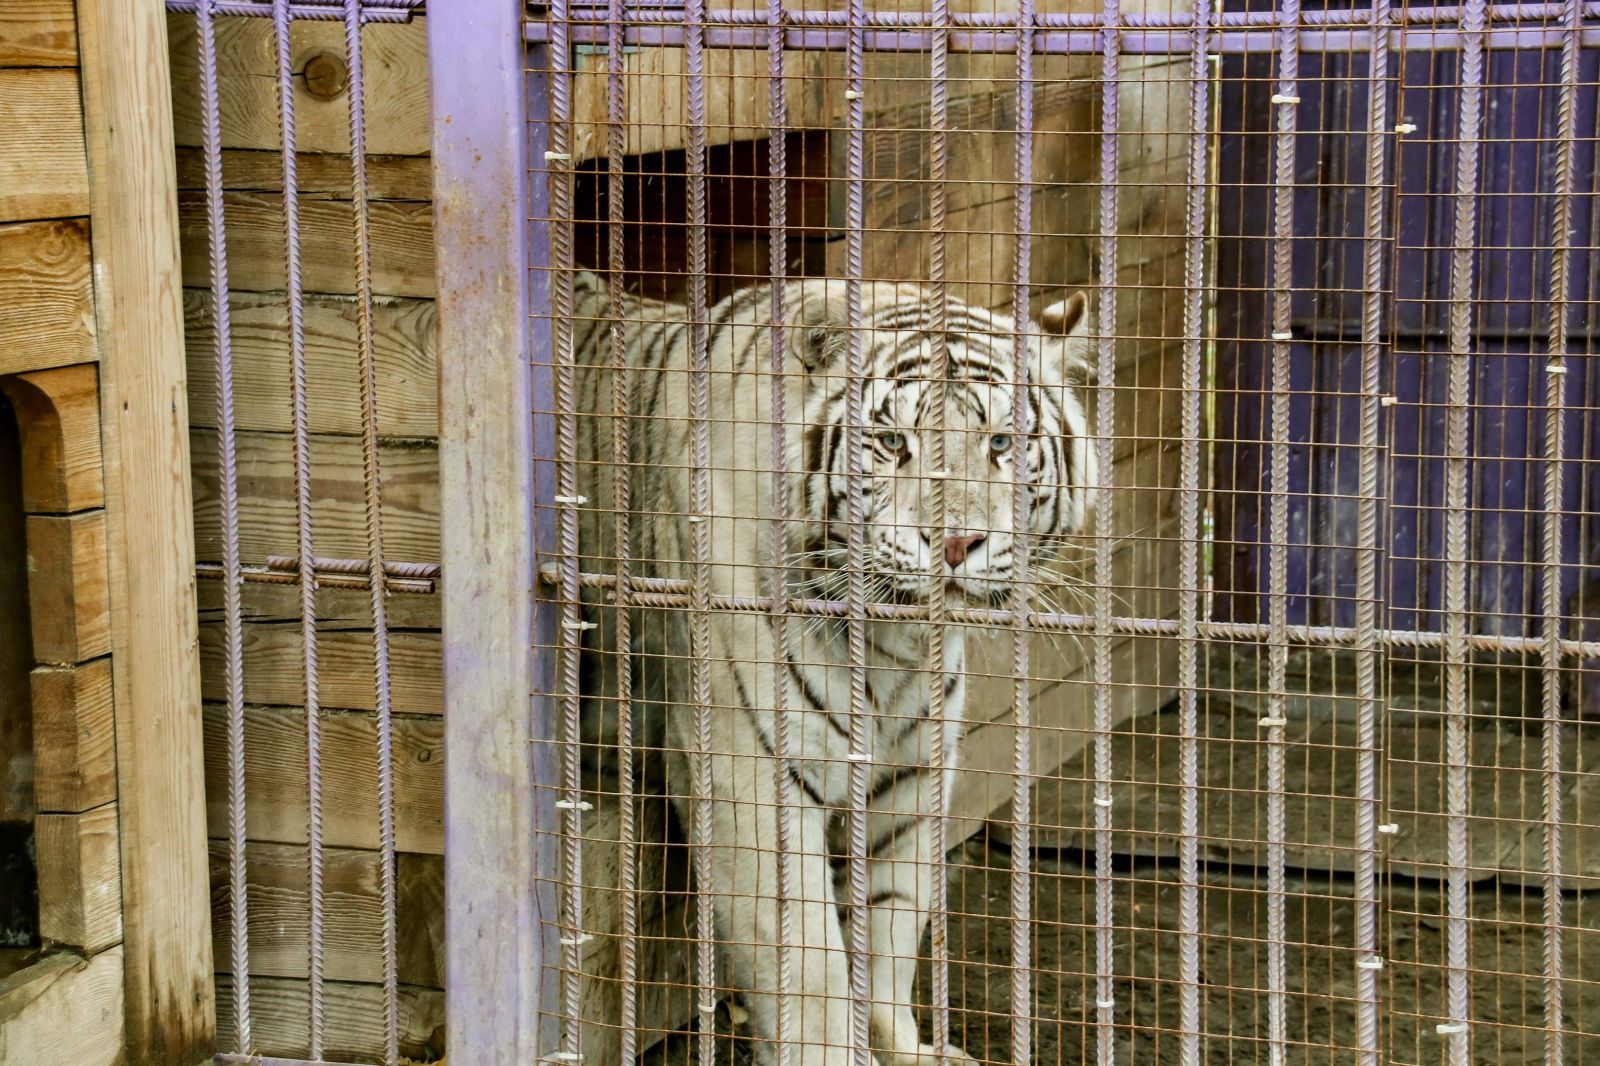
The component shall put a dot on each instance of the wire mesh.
(1287, 756)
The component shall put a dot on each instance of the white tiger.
(903, 544)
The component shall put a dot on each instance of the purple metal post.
(495, 778)
(228, 484)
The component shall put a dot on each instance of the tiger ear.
(1065, 325)
(818, 339)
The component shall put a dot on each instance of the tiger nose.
(957, 547)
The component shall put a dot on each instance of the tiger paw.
(928, 1055)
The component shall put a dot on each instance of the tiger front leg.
(900, 873)
(743, 856)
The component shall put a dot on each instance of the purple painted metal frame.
(497, 913)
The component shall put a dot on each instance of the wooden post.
(149, 530)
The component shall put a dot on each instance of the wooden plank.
(80, 878)
(160, 769)
(43, 170)
(280, 923)
(403, 336)
(38, 33)
(64, 1009)
(336, 608)
(396, 86)
(274, 672)
(74, 738)
(275, 767)
(68, 588)
(400, 234)
(267, 525)
(389, 177)
(58, 413)
(280, 1011)
(46, 300)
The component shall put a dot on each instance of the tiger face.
(968, 542)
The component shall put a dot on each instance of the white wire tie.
(1284, 98)
(564, 1056)
(574, 941)
(1388, 401)
(576, 626)
(558, 157)
(1450, 1028)
(1284, 336)
(1270, 723)
(1555, 368)
(574, 805)
(1389, 828)
(1406, 127)
(938, 475)
(851, 94)
(695, 519)
(857, 756)
(708, 1008)
(1106, 1004)
(1102, 801)
(577, 501)
(1374, 963)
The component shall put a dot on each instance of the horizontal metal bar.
(227, 1059)
(305, 10)
(355, 566)
(669, 593)
(1063, 42)
(267, 575)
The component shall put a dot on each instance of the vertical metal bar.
(699, 529)
(622, 470)
(1105, 527)
(778, 579)
(1555, 454)
(1367, 648)
(938, 756)
(559, 160)
(861, 724)
(1286, 102)
(304, 544)
(1457, 445)
(374, 522)
(498, 862)
(1189, 541)
(1022, 589)
(228, 477)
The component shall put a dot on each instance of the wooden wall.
(57, 760)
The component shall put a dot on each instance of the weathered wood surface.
(74, 737)
(79, 863)
(400, 234)
(275, 767)
(38, 33)
(65, 1009)
(127, 92)
(389, 177)
(267, 524)
(274, 671)
(46, 300)
(43, 172)
(280, 1011)
(403, 337)
(67, 586)
(396, 89)
(336, 608)
(58, 413)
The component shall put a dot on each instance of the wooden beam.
(401, 235)
(58, 414)
(280, 1009)
(410, 479)
(275, 766)
(64, 1008)
(67, 586)
(38, 33)
(47, 312)
(42, 168)
(139, 312)
(389, 177)
(274, 672)
(404, 349)
(74, 738)
(81, 880)
(396, 86)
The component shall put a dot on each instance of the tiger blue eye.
(894, 442)
(1000, 442)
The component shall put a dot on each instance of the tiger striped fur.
(902, 547)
